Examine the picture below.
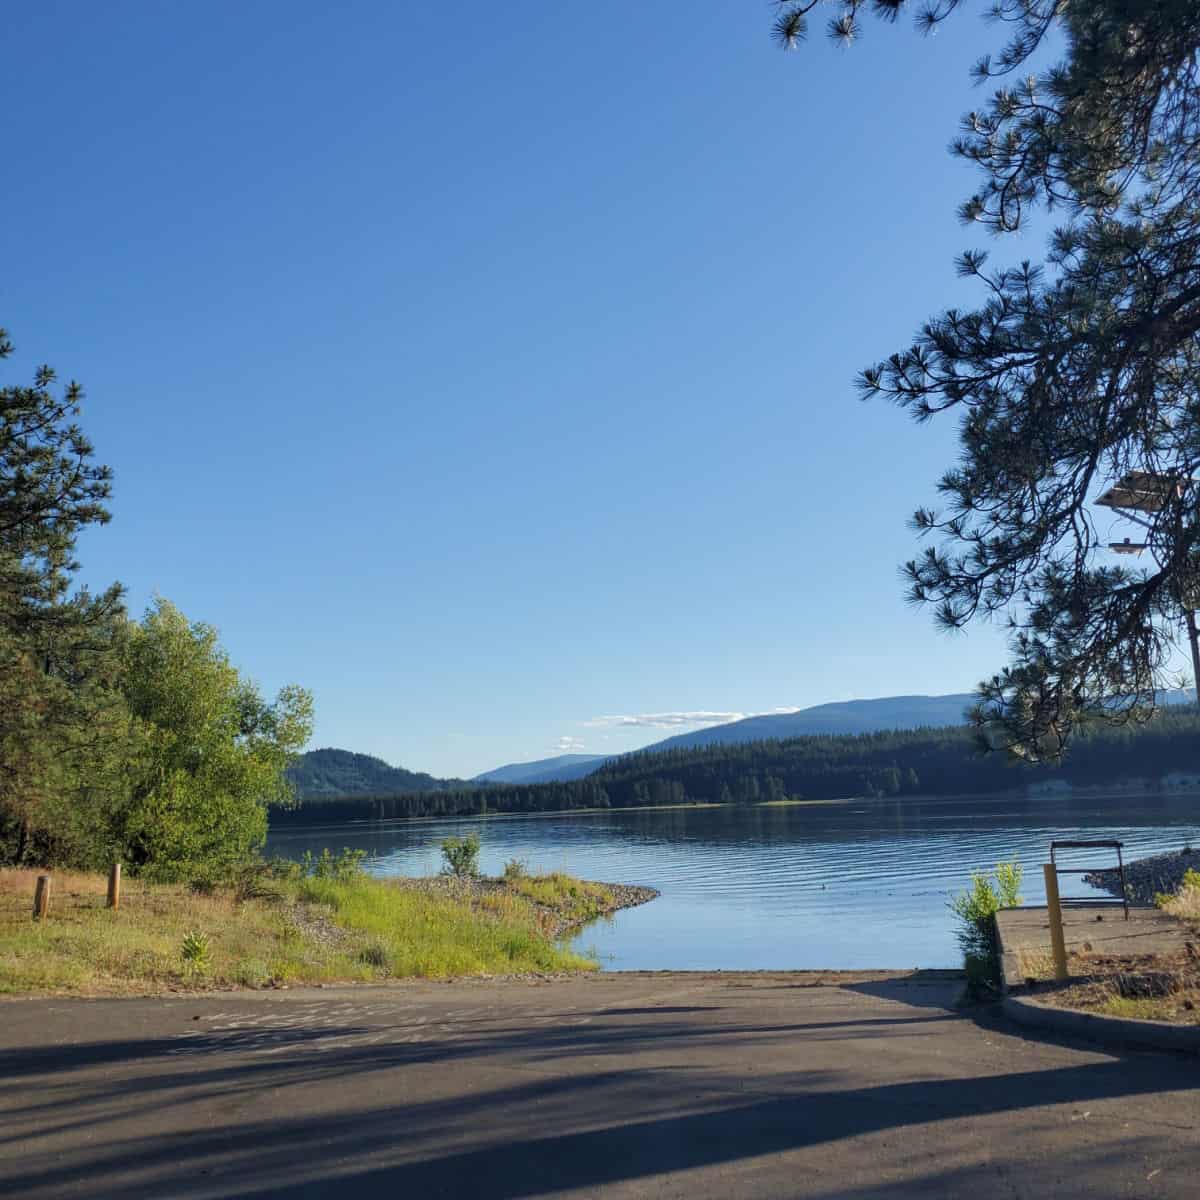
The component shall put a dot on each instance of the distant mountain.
(332, 772)
(561, 769)
(850, 717)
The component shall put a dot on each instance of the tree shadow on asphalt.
(479, 1143)
(592, 1128)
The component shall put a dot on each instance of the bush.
(195, 953)
(374, 955)
(461, 856)
(343, 868)
(976, 911)
(514, 870)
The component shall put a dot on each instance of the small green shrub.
(461, 855)
(515, 869)
(195, 953)
(252, 972)
(976, 911)
(374, 955)
(342, 868)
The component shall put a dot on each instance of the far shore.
(1107, 792)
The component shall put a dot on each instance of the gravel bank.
(1146, 877)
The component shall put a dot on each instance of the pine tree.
(1072, 373)
(58, 660)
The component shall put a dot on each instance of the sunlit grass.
(1185, 903)
(575, 899)
(438, 936)
(307, 931)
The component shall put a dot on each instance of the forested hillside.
(911, 762)
(344, 773)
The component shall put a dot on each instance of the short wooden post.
(1058, 942)
(114, 886)
(41, 897)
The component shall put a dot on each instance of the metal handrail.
(1122, 900)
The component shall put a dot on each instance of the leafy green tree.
(58, 659)
(208, 755)
(1070, 373)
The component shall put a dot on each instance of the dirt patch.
(1149, 986)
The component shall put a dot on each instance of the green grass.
(574, 899)
(423, 934)
(306, 931)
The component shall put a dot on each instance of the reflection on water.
(856, 884)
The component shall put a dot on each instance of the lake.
(848, 885)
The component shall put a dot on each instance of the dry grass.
(301, 931)
(1185, 904)
(1036, 965)
(1149, 986)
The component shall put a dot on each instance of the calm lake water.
(848, 885)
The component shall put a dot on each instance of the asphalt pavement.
(623, 1085)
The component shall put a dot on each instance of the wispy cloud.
(667, 720)
(677, 720)
(568, 744)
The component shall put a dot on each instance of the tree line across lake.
(898, 763)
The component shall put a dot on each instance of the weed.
(374, 955)
(195, 953)
(515, 869)
(976, 911)
(344, 867)
(461, 855)
(1186, 901)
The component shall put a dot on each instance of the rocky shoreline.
(1145, 878)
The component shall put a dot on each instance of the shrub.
(374, 955)
(195, 953)
(343, 868)
(1186, 901)
(461, 856)
(515, 869)
(976, 911)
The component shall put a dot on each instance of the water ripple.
(773, 888)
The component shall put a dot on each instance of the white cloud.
(568, 744)
(677, 720)
(669, 720)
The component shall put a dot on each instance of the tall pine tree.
(1071, 373)
(57, 650)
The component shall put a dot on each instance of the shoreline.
(1148, 877)
(1110, 792)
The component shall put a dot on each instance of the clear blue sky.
(490, 373)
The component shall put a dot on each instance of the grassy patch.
(299, 930)
(573, 899)
(423, 933)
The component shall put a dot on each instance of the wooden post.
(41, 897)
(1058, 942)
(114, 886)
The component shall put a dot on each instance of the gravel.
(1147, 877)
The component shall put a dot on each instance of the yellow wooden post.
(114, 886)
(41, 897)
(1058, 942)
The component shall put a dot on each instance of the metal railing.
(1093, 899)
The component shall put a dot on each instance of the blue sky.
(494, 380)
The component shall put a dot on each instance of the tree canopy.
(1072, 372)
(138, 741)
